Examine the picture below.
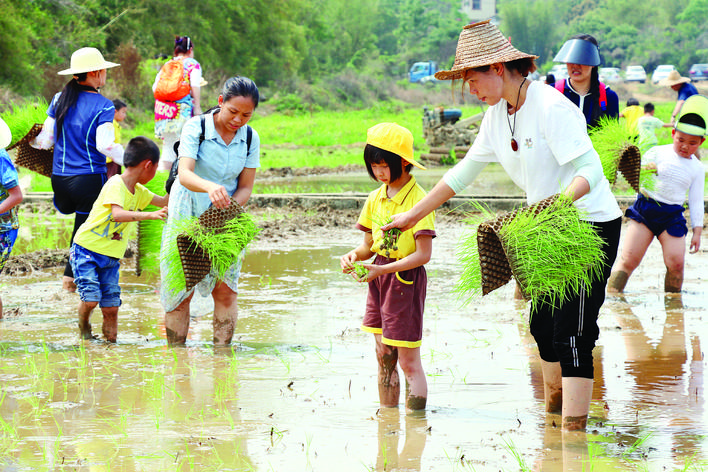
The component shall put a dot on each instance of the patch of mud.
(26, 264)
(282, 225)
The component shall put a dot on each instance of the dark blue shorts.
(658, 217)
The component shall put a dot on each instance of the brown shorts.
(394, 306)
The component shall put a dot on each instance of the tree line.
(291, 44)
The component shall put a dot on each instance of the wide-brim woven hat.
(480, 44)
(87, 60)
(674, 78)
(5, 134)
(394, 138)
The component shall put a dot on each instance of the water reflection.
(389, 434)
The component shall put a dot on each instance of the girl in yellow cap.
(397, 278)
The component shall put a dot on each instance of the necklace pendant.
(514, 145)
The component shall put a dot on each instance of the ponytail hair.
(182, 45)
(68, 98)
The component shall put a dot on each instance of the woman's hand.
(218, 195)
(404, 221)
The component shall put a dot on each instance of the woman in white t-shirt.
(540, 139)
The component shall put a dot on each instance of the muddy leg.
(416, 385)
(389, 382)
(225, 313)
(577, 393)
(552, 386)
(617, 281)
(177, 323)
(67, 283)
(673, 281)
(85, 309)
(110, 323)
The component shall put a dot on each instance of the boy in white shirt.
(659, 213)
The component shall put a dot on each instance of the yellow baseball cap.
(394, 138)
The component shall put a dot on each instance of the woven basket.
(216, 218)
(37, 160)
(195, 262)
(629, 165)
(497, 261)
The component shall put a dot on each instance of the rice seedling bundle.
(210, 242)
(150, 231)
(546, 247)
(25, 123)
(618, 154)
(360, 271)
(21, 118)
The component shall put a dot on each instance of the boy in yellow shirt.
(102, 239)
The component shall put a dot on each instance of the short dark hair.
(376, 155)
(119, 104)
(632, 102)
(648, 107)
(140, 149)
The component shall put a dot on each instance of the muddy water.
(298, 390)
(496, 182)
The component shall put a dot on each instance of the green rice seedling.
(469, 284)
(150, 231)
(552, 253)
(223, 246)
(611, 139)
(21, 118)
(360, 271)
(389, 240)
(511, 447)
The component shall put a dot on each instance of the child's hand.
(650, 166)
(695, 242)
(373, 271)
(346, 262)
(160, 214)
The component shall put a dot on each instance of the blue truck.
(422, 72)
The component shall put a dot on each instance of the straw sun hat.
(674, 78)
(87, 60)
(480, 44)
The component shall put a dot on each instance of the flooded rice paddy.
(297, 390)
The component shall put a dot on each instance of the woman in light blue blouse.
(211, 172)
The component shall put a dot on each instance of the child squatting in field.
(659, 213)
(397, 277)
(102, 240)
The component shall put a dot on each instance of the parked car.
(609, 75)
(698, 72)
(635, 74)
(661, 72)
(559, 71)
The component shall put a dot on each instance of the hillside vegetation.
(314, 54)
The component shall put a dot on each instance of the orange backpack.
(174, 82)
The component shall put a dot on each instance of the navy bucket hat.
(579, 51)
